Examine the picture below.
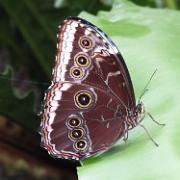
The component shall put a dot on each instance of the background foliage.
(148, 39)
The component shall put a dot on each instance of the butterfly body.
(90, 103)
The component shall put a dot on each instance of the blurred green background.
(147, 34)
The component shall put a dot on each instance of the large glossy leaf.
(148, 39)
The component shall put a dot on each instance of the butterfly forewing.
(91, 93)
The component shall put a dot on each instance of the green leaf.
(148, 39)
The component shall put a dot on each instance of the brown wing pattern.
(87, 103)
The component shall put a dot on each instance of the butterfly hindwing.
(65, 105)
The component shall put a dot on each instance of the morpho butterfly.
(90, 103)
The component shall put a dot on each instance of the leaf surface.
(148, 39)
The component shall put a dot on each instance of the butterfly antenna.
(149, 136)
(145, 88)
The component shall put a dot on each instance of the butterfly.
(90, 103)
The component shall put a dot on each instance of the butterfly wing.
(87, 104)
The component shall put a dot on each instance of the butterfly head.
(140, 109)
(137, 115)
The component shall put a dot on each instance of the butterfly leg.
(125, 134)
(160, 124)
(146, 131)
(154, 142)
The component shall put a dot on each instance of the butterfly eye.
(76, 72)
(81, 145)
(86, 42)
(83, 99)
(82, 60)
(76, 133)
(74, 122)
